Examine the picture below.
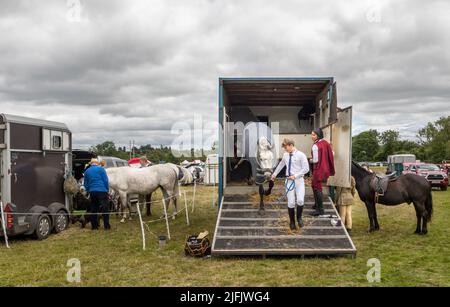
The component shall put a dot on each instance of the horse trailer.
(291, 108)
(35, 156)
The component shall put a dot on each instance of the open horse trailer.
(296, 106)
(35, 156)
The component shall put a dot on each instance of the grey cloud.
(132, 69)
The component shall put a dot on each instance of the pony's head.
(264, 144)
(265, 156)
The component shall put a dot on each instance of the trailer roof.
(260, 91)
(33, 121)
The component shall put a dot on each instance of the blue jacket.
(95, 179)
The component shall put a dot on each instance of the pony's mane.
(360, 167)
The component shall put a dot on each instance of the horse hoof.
(122, 221)
(424, 232)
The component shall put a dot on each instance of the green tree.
(435, 140)
(390, 144)
(365, 145)
(107, 148)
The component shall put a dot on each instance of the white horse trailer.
(35, 156)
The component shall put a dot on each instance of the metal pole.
(193, 196)
(142, 226)
(167, 218)
(186, 208)
(4, 225)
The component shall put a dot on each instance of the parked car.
(113, 161)
(435, 176)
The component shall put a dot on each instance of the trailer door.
(341, 140)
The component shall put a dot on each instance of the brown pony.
(408, 188)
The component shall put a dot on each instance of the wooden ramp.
(241, 230)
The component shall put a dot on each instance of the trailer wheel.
(61, 221)
(43, 227)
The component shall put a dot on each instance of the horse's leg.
(424, 220)
(419, 217)
(174, 200)
(166, 200)
(123, 205)
(261, 199)
(424, 225)
(369, 207)
(375, 217)
(148, 200)
(269, 191)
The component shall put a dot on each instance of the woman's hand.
(291, 177)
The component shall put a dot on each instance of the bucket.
(162, 241)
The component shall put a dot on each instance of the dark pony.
(408, 188)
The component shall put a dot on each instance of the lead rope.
(289, 188)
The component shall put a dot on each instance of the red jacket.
(325, 167)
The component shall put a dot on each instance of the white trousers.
(297, 195)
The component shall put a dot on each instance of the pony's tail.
(429, 206)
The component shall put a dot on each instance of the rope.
(70, 214)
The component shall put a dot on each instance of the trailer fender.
(33, 216)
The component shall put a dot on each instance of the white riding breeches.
(297, 195)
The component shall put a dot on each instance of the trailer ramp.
(241, 230)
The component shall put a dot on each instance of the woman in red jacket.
(323, 167)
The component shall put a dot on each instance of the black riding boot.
(315, 200)
(299, 216)
(292, 218)
(319, 209)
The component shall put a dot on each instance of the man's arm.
(279, 168)
(304, 167)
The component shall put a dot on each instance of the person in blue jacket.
(97, 184)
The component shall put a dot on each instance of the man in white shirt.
(297, 166)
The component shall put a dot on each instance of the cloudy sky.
(121, 70)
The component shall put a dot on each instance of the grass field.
(116, 258)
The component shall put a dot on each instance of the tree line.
(161, 154)
(432, 143)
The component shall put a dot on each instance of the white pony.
(144, 181)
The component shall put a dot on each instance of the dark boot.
(315, 200)
(299, 216)
(292, 218)
(319, 209)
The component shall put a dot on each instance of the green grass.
(116, 258)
